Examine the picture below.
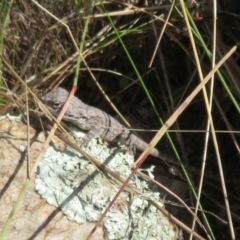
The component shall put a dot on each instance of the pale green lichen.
(10, 117)
(69, 181)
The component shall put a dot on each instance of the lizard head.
(55, 99)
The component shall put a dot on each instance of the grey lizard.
(97, 123)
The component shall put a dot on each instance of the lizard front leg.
(88, 137)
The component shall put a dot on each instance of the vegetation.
(143, 58)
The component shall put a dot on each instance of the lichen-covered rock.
(67, 181)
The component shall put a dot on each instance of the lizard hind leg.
(127, 146)
(131, 150)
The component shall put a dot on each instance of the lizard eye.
(56, 105)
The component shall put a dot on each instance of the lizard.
(97, 123)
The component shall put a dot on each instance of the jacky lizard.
(97, 123)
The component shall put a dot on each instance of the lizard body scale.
(97, 123)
